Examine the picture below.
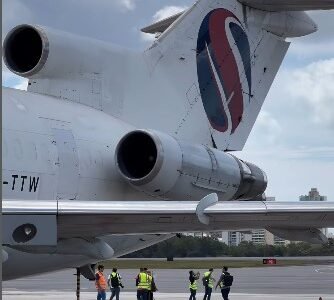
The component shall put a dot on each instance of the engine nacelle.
(160, 165)
(33, 51)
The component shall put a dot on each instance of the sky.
(293, 137)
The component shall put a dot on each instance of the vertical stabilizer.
(222, 58)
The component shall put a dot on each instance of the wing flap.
(311, 235)
(289, 5)
(98, 218)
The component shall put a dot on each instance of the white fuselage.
(55, 149)
(66, 148)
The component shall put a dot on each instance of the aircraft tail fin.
(223, 56)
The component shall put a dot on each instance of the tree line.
(187, 246)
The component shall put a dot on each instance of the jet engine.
(33, 51)
(162, 166)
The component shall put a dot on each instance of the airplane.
(110, 151)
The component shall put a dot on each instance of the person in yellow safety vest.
(193, 284)
(152, 288)
(208, 283)
(100, 283)
(115, 283)
(143, 282)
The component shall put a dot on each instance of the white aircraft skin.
(82, 136)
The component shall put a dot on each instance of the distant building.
(256, 236)
(313, 195)
(280, 241)
(234, 238)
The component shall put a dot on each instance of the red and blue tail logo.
(217, 70)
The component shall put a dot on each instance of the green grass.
(197, 264)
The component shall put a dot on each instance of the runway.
(305, 282)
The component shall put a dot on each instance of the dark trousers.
(142, 294)
(225, 293)
(101, 295)
(115, 292)
(192, 294)
(208, 291)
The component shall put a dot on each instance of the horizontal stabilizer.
(89, 219)
(289, 5)
(162, 25)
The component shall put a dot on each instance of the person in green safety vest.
(208, 281)
(143, 283)
(115, 283)
(193, 284)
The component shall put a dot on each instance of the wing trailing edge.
(97, 218)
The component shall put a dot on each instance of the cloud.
(147, 37)
(167, 11)
(22, 84)
(126, 4)
(268, 128)
(313, 86)
(11, 80)
(319, 44)
(304, 50)
(292, 137)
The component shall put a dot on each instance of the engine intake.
(26, 49)
(160, 165)
(137, 155)
(34, 51)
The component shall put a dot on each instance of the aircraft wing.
(289, 5)
(70, 218)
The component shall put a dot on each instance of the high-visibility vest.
(101, 282)
(144, 281)
(149, 283)
(207, 274)
(114, 274)
(193, 285)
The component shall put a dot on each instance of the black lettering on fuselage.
(33, 183)
(14, 178)
(22, 185)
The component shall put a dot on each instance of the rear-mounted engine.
(160, 165)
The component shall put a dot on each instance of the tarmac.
(266, 283)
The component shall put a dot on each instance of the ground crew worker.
(152, 287)
(100, 283)
(193, 284)
(115, 283)
(208, 283)
(225, 283)
(143, 284)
